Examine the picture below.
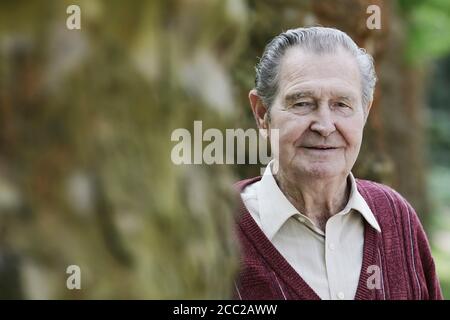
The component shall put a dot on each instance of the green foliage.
(428, 23)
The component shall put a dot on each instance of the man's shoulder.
(384, 200)
(371, 188)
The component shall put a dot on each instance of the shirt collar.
(275, 208)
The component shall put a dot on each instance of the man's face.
(318, 112)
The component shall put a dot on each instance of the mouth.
(320, 148)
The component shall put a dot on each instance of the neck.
(318, 199)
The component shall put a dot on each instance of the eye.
(341, 105)
(303, 104)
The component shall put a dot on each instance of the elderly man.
(307, 228)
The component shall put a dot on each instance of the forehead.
(334, 73)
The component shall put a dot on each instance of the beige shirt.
(330, 262)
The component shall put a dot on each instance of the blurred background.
(86, 118)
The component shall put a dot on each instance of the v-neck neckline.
(282, 267)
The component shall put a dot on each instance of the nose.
(323, 122)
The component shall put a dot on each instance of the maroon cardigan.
(401, 251)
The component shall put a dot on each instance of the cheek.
(352, 132)
(290, 128)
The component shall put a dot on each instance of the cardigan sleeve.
(424, 258)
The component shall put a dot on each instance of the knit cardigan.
(401, 252)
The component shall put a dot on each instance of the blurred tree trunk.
(85, 147)
(402, 102)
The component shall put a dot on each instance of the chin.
(319, 170)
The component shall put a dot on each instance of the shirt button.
(341, 295)
(331, 246)
(302, 220)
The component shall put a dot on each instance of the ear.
(367, 111)
(260, 111)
